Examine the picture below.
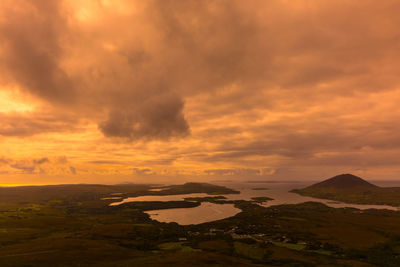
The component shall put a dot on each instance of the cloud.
(223, 86)
(233, 172)
(28, 124)
(134, 82)
(159, 118)
(242, 172)
(125, 101)
(24, 166)
(3, 161)
(29, 166)
(30, 34)
(159, 161)
(105, 162)
(40, 161)
(72, 169)
(142, 171)
(44, 165)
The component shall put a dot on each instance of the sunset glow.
(136, 91)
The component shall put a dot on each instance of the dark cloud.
(72, 169)
(29, 166)
(30, 36)
(160, 117)
(40, 161)
(25, 167)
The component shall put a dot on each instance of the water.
(156, 189)
(207, 212)
(158, 198)
(281, 195)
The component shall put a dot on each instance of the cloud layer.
(203, 88)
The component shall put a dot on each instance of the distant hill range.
(94, 192)
(352, 189)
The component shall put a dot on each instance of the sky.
(110, 91)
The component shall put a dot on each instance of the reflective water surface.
(206, 212)
(281, 195)
(210, 212)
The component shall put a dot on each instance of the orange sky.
(110, 91)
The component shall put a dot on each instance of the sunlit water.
(280, 192)
(207, 212)
(159, 198)
(156, 189)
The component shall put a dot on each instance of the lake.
(207, 212)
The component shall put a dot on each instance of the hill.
(352, 189)
(191, 187)
(344, 181)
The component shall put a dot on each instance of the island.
(261, 200)
(189, 188)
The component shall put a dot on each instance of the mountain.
(344, 181)
(352, 189)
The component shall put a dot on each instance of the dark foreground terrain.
(71, 225)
